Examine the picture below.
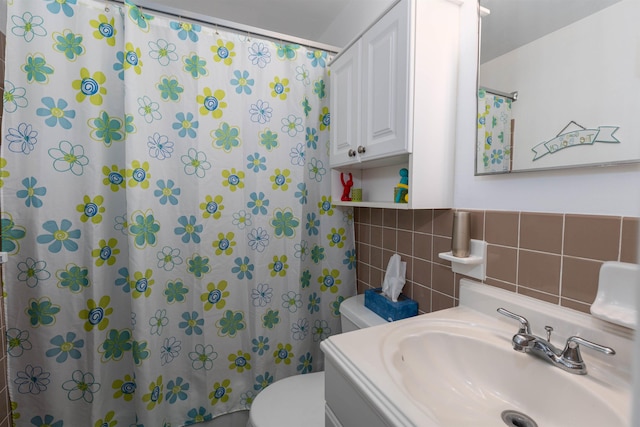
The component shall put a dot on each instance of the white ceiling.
(510, 24)
(306, 19)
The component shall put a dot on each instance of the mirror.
(559, 84)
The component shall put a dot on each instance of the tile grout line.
(518, 254)
(560, 285)
(620, 239)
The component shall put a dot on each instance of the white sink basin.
(462, 373)
(457, 367)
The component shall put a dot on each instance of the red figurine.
(347, 187)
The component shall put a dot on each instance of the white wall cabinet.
(345, 95)
(369, 91)
(393, 93)
(385, 60)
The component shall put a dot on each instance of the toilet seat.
(299, 400)
(304, 397)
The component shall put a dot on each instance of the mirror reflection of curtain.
(494, 133)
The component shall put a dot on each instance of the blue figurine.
(402, 195)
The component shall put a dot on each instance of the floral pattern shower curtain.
(494, 145)
(167, 212)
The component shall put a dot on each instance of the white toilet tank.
(354, 315)
(299, 400)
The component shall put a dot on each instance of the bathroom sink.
(457, 367)
(463, 373)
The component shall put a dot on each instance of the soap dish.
(474, 265)
(616, 300)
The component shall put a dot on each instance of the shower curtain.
(166, 208)
(494, 145)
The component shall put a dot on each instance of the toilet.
(299, 400)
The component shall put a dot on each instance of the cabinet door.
(345, 105)
(386, 92)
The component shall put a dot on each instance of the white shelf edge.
(388, 205)
(471, 259)
(474, 265)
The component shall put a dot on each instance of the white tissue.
(394, 277)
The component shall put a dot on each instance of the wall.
(552, 257)
(3, 15)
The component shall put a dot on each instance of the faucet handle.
(525, 328)
(549, 329)
(571, 352)
(572, 343)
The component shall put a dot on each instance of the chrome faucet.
(568, 359)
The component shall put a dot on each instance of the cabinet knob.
(361, 149)
(352, 153)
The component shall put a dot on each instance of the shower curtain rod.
(229, 25)
(510, 95)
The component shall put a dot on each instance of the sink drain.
(517, 419)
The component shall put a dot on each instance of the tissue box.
(375, 301)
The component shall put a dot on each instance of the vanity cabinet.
(393, 106)
(345, 404)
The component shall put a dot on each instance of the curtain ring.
(217, 33)
(106, 7)
(144, 18)
(248, 36)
